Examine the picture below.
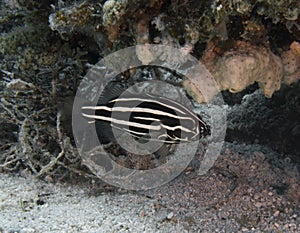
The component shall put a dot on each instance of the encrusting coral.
(243, 65)
(291, 62)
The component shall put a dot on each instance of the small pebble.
(270, 194)
(276, 213)
(142, 213)
(244, 229)
(258, 204)
(170, 215)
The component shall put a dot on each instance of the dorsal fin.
(112, 91)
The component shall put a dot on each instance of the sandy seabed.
(250, 189)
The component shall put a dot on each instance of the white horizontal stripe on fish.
(173, 128)
(139, 125)
(137, 109)
(158, 102)
(150, 100)
(122, 122)
(97, 108)
(173, 138)
(145, 134)
(146, 118)
(130, 131)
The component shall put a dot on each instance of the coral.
(66, 19)
(30, 47)
(12, 4)
(113, 11)
(195, 88)
(142, 32)
(278, 11)
(33, 5)
(117, 15)
(176, 27)
(243, 65)
(199, 21)
(295, 47)
(175, 23)
(291, 63)
(36, 70)
(254, 31)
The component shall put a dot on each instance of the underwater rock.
(113, 11)
(66, 19)
(112, 14)
(202, 88)
(291, 63)
(242, 65)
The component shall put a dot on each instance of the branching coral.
(41, 144)
(36, 70)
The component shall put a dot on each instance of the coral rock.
(243, 65)
(291, 63)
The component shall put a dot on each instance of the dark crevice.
(272, 122)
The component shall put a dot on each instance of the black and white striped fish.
(146, 116)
